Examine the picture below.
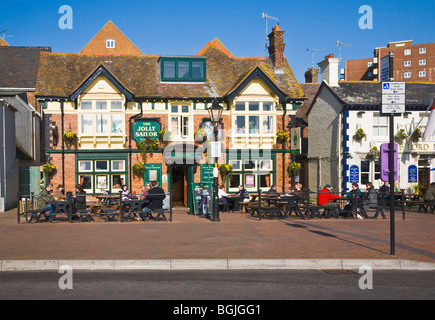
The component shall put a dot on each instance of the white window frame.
(422, 62)
(181, 117)
(108, 113)
(422, 50)
(407, 75)
(422, 74)
(407, 52)
(378, 125)
(247, 113)
(407, 63)
(110, 43)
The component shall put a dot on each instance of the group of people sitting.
(224, 197)
(150, 191)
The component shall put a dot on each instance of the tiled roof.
(61, 73)
(19, 66)
(370, 93)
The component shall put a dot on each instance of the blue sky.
(184, 27)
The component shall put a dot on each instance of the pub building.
(112, 96)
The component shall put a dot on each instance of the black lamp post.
(215, 112)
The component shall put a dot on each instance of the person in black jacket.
(155, 195)
(80, 201)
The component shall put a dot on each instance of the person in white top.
(223, 195)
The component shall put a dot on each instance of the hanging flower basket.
(147, 146)
(201, 135)
(417, 134)
(359, 135)
(164, 137)
(374, 153)
(293, 168)
(139, 170)
(70, 139)
(401, 135)
(282, 138)
(225, 170)
(49, 170)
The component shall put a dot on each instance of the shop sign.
(417, 147)
(412, 174)
(354, 174)
(143, 129)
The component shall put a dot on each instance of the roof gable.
(97, 45)
(101, 70)
(256, 73)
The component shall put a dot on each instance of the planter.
(293, 168)
(359, 135)
(70, 139)
(49, 170)
(282, 138)
(139, 170)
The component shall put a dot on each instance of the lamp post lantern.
(215, 112)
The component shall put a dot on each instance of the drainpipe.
(63, 142)
(4, 156)
(129, 143)
(283, 147)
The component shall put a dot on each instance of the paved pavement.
(238, 241)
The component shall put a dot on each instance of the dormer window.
(182, 69)
(110, 43)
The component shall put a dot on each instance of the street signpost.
(393, 103)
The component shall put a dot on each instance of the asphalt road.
(256, 286)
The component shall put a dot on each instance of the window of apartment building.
(422, 62)
(96, 119)
(422, 74)
(407, 75)
(407, 52)
(258, 120)
(370, 64)
(407, 63)
(380, 126)
(110, 43)
(99, 175)
(182, 69)
(422, 50)
(180, 121)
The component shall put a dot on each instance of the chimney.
(329, 70)
(311, 75)
(276, 48)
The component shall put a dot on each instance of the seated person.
(80, 200)
(372, 197)
(125, 194)
(59, 192)
(222, 195)
(45, 198)
(272, 189)
(355, 192)
(155, 195)
(324, 198)
(297, 192)
(243, 193)
(429, 195)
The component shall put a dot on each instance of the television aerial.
(266, 16)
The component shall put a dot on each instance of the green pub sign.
(143, 129)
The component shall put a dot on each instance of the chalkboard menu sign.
(199, 190)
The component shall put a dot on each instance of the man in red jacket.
(325, 197)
